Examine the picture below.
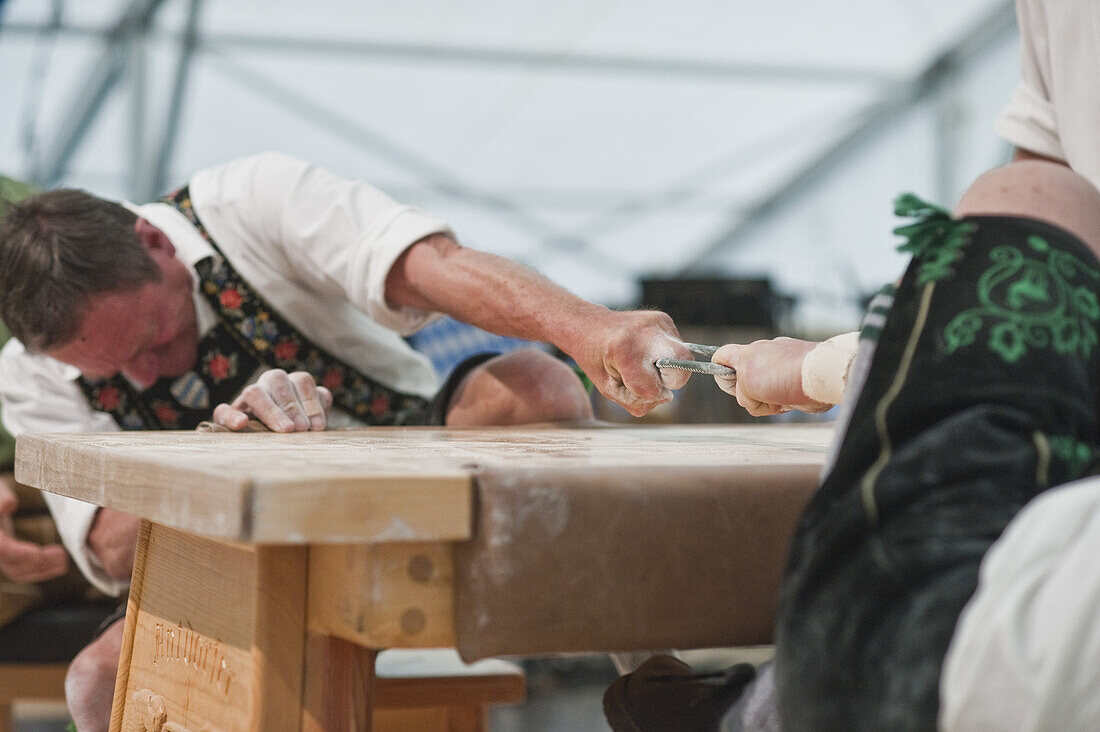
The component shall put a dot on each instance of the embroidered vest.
(250, 335)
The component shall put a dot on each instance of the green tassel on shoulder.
(908, 204)
(935, 239)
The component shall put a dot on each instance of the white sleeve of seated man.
(1026, 651)
(38, 394)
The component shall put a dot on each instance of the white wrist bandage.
(825, 368)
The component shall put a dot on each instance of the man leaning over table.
(280, 288)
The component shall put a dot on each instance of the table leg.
(398, 595)
(339, 686)
(214, 636)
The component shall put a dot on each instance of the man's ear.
(153, 239)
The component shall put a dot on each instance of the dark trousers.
(982, 393)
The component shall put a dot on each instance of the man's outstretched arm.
(615, 349)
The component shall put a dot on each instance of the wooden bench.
(434, 690)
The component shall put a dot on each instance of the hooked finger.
(310, 399)
(636, 406)
(759, 409)
(673, 379)
(326, 398)
(728, 355)
(230, 416)
(727, 384)
(645, 384)
(262, 407)
(282, 391)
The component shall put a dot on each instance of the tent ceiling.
(597, 141)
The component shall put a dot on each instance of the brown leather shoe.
(666, 695)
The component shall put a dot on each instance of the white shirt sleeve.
(38, 394)
(1029, 120)
(336, 234)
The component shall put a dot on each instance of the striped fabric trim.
(877, 310)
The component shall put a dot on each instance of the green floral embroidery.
(1030, 297)
(1076, 455)
(936, 239)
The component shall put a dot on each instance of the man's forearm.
(488, 291)
(617, 350)
(112, 540)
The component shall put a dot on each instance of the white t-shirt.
(1055, 110)
(315, 246)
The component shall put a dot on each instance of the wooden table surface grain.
(368, 484)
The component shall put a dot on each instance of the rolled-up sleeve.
(1029, 121)
(360, 232)
(338, 235)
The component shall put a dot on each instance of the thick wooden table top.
(370, 484)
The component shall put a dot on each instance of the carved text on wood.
(176, 644)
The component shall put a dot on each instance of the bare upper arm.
(415, 269)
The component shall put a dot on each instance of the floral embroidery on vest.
(1029, 299)
(249, 335)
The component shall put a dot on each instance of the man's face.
(146, 333)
